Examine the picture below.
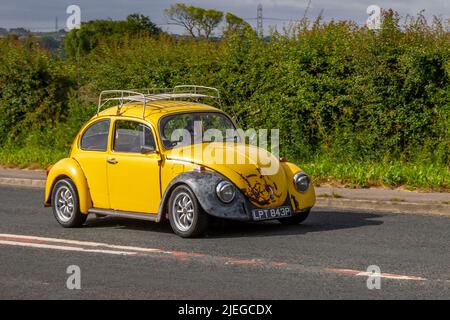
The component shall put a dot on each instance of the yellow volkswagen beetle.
(151, 156)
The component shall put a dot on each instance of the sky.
(40, 15)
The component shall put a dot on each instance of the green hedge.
(339, 93)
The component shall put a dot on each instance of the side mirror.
(174, 143)
(147, 150)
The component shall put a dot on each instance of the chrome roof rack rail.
(208, 92)
(121, 96)
(182, 92)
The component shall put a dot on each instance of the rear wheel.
(186, 217)
(297, 219)
(66, 206)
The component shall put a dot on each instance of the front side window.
(133, 137)
(95, 137)
(189, 128)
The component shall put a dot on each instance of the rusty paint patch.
(296, 204)
(263, 191)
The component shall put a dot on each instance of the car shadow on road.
(318, 221)
(127, 224)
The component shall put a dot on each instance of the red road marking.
(345, 271)
(279, 264)
(181, 254)
(104, 248)
(244, 262)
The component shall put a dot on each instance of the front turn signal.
(47, 171)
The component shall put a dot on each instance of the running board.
(124, 214)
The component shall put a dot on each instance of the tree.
(93, 32)
(236, 24)
(50, 43)
(183, 15)
(210, 20)
(197, 21)
(19, 31)
(137, 23)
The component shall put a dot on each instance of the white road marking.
(391, 276)
(104, 248)
(64, 248)
(358, 273)
(82, 243)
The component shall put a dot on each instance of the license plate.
(268, 214)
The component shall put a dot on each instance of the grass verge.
(32, 158)
(411, 176)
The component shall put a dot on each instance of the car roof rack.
(180, 93)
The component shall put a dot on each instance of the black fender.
(203, 184)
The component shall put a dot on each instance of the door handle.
(112, 161)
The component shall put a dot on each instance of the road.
(326, 258)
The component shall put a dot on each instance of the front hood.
(255, 171)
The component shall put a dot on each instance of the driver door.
(133, 168)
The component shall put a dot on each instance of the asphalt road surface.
(326, 258)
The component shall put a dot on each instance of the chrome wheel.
(183, 209)
(64, 204)
(186, 216)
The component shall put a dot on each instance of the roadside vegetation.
(354, 107)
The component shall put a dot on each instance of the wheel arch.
(69, 168)
(162, 212)
(203, 185)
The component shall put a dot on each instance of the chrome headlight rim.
(220, 189)
(301, 177)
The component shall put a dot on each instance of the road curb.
(386, 206)
(19, 182)
(339, 203)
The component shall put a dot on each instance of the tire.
(297, 219)
(66, 205)
(187, 218)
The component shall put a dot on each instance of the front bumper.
(240, 209)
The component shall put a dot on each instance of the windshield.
(188, 128)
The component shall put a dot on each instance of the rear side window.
(131, 136)
(95, 137)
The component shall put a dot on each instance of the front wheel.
(297, 219)
(66, 205)
(186, 217)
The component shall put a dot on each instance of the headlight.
(301, 182)
(225, 191)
